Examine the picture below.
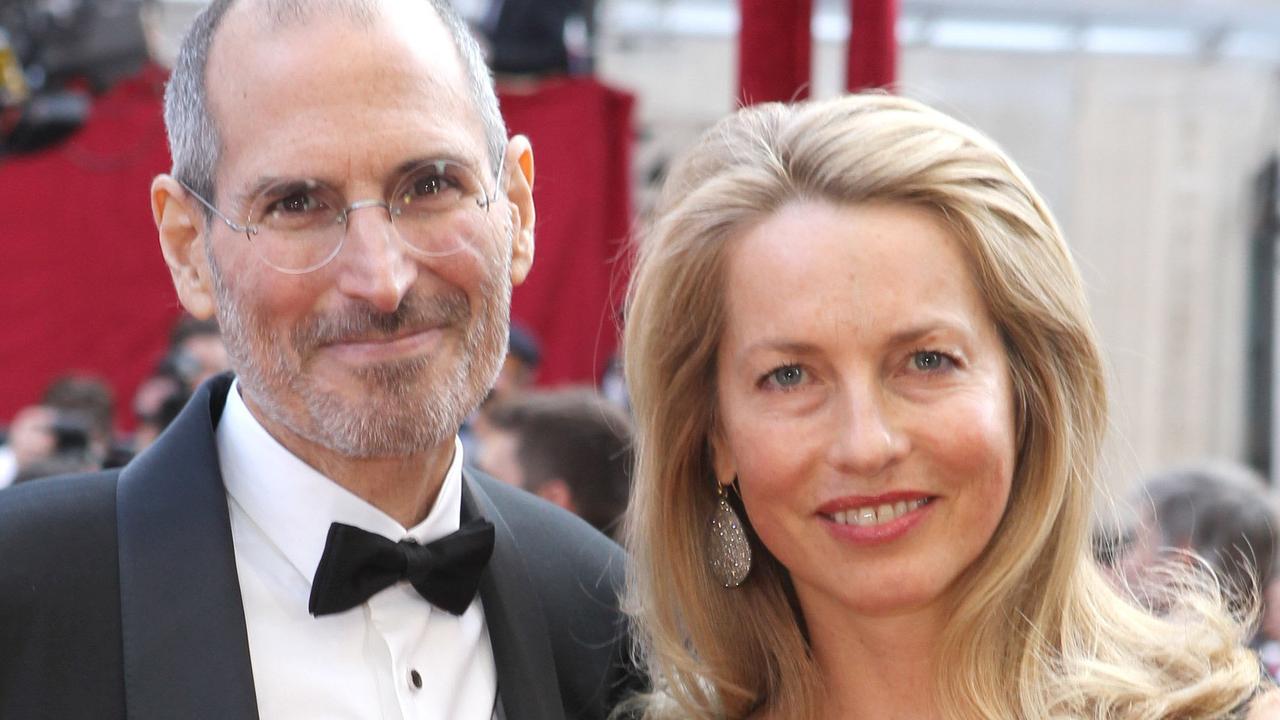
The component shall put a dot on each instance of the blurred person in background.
(196, 353)
(196, 350)
(156, 404)
(1217, 512)
(517, 375)
(90, 400)
(45, 440)
(569, 446)
(519, 367)
(30, 440)
(71, 452)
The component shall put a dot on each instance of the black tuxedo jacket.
(119, 596)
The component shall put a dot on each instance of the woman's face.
(864, 405)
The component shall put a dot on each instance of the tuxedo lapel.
(186, 651)
(528, 688)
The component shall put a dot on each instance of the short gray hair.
(1223, 512)
(194, 142)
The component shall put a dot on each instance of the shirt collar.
(293, 503)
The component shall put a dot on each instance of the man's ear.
(519, 170)
(181, 226)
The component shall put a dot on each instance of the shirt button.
(415, 679)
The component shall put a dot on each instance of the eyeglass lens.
(298, 226)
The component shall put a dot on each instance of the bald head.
(195, 141)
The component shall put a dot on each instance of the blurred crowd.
(72, 428)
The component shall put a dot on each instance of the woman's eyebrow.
(919, 331)
(779, 345)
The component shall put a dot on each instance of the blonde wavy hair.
(1037, 630)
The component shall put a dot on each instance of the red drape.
(872, 61)
(581, 135)
(85, 287)
(775, 47)
(83, 283)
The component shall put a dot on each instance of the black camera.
(71, 432)
(53, 55)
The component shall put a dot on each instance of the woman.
(869, 400)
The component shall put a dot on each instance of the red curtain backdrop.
(85, 288)
(83, 284)
(775, 46)
(581, 135)
(872, 61)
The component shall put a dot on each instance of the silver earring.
(728, 552)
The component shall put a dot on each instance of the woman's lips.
(874, 519)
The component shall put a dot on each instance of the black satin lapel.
(186, 651)
(527, 685)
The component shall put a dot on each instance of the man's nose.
(375, 265)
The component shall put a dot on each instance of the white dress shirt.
(394, 657)
(8, 466)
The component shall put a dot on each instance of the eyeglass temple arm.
(488, 199)
(230, 223)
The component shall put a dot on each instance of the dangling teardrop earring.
(728, 550)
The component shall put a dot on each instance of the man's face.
(382, 352)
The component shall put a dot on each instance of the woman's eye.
(930, 361)
(787, 376)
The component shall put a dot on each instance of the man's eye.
(432, 189)
(298, 203)
(429, 185)
(293, 204)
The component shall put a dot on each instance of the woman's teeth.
(877, 514)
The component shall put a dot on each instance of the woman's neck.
(880, 668)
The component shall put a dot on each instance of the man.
(1218, 513)
(571, 447)
(302, 542)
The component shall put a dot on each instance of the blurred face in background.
(31, 435)
(864, 406)
(207, 356)
(499, 455)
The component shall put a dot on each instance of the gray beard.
(394, 418)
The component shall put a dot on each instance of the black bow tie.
(357, 564)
